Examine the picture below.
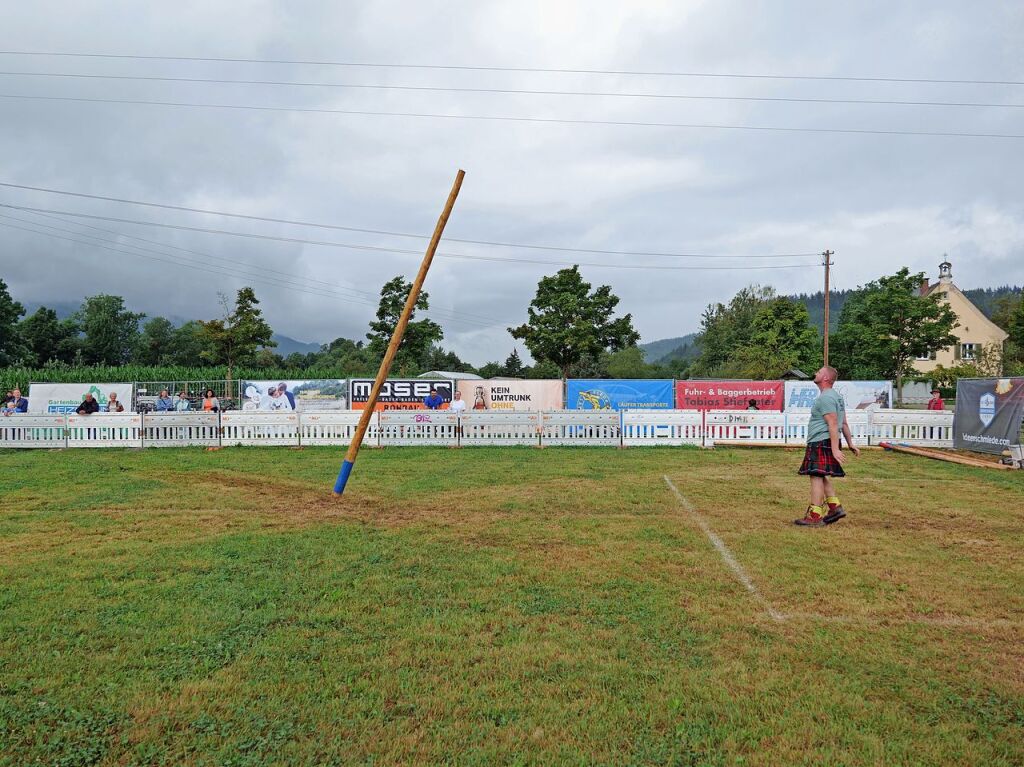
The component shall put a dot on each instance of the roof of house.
(980, 315)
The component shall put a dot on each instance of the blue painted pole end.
(346, 469)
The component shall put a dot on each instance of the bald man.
(823, 458)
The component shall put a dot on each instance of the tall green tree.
(629, 363)
(420, 335)
(13, 349)
(111, 331)
(50, 339)
(187, 345)
(781, 338)
(886, 325)
(236, 338)
(726, 328)
(568, 323)
(513, 366)
(156, 342)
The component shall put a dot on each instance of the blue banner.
(619, 394)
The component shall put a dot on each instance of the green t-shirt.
(829, 401)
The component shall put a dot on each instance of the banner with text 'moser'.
(400, 393)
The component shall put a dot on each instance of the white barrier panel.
(419, 427)
(722, 427)
(33, 431)
(255, 428)
(662, 427)
(105, 430)
(796, 426)
(336, 427)
(180, 429)
(932, 428)
(499, 427)
(580, 427)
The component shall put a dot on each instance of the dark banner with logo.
(988, 414)
(400, 393)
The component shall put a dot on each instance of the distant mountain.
(286, 346)
(657, 351)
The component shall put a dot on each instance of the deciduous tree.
(567, 322)
(419, 336)
(111, 331)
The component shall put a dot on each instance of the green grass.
(504, 606)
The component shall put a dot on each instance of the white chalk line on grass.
(723, 551)
(780, 617)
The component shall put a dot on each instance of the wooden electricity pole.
(396, 340)
(827, 263)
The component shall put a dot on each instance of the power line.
(246, 217)
(449, 314)
(543, 70)
(514, 91)
(354, 246)
(510, 118)
(213, 269)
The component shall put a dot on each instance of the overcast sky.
(879, 201)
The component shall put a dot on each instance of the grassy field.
(505, 606)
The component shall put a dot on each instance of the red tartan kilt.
(819, 461)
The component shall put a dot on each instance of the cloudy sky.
(880, 201)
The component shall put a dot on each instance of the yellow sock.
(812, 509)
(832, 500)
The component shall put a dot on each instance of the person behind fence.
(458, 404)
(434, 401)
(113, 406)
(210, 402)
(164, 403)
(752, 405)
(823, 458)
(936, 403)
(89, 405)
(15, 403)
(181, 403)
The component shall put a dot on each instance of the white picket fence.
(630, 428)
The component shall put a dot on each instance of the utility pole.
(827, 263)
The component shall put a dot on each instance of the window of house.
(967, 351)
(926, 357)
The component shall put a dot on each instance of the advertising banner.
(858, 395)
(401, 393)
(988, 414)
(511, 395)
(271, 396)
(729, 395)
(624, 394)
(47, 398)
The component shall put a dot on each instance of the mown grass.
(504, 606)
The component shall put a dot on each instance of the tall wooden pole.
(396, 340)
(826, 262)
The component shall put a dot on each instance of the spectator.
(752, 405)
(936, 403)
(113, 406)
(434, 401)
(164, 403)
(210, 402)
(458, 405)
(89, 405)
(181, 404)
(7, 408)
(18, 403)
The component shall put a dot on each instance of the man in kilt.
(823, 458)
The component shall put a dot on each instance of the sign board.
(729, 395)
(988, 414)
(271, 396)
(48, 398)
(511, 395)
(400, 393)
(620, 394)
(857, 395)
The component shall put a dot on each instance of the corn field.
(22, 377)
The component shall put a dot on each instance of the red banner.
(730, 395)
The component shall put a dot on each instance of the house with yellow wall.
(975, 331)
